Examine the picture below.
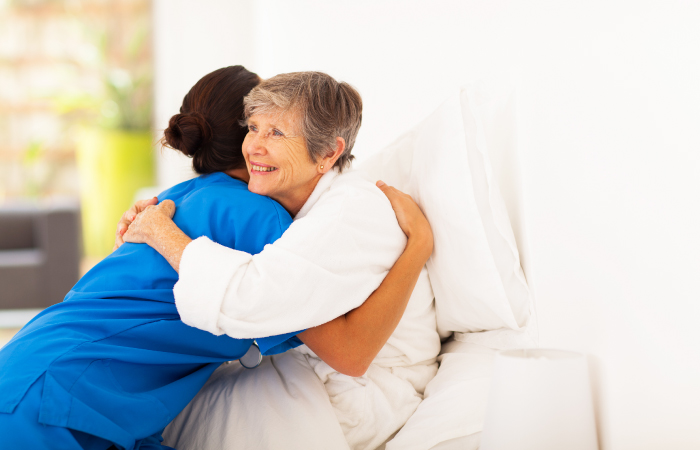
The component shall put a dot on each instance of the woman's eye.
(277, 133)
(252, 128)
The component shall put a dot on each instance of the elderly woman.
(341, 245)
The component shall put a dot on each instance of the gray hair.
(327, 110)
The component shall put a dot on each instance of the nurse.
(113, 363)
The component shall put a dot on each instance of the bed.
(452, 412)
(460, 165)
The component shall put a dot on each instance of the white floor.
(11, 320)
(16, 318)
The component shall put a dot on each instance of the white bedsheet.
(372, 408)
(452, 413)
(280, 405)
(296, 401)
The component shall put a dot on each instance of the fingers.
(127, 236)
(143, 204)
(128, 217)
(391, 192)
(131, 214)
(167, 207)
(386, 188)
(139, 207)
(134, 232)
(122, 226)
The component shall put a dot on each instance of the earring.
(321, 167)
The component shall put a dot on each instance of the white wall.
(609, 112)
(191, 39)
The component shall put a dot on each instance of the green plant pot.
(113, 165)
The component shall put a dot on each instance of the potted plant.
(115, 159)
(114, 152)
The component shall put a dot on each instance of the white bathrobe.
(337, 251)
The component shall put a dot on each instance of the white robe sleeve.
(326, 264)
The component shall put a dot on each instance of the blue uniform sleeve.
(278, 344)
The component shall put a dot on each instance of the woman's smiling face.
(278, 160)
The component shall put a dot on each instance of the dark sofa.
(39, 254)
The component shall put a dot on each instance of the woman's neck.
(239, 174)
(296, 200)
(292, 202)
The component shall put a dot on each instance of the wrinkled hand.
(411, 219)
(128, 217)
(146, 225)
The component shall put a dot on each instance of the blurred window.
(66, 66)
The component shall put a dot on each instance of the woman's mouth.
(257, 168)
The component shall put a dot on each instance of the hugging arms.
(280, 163)
(349, 342)
(114, 363)
(343, 247)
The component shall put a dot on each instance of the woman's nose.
(256, 144)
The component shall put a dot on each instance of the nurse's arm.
(350, 342)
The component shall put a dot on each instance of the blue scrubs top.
(116, 360)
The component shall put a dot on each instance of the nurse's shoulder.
(234, 212)
(233, 195)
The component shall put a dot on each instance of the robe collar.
(323, 185)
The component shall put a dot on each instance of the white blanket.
(371, 408)
(280, 405)
(296, 401)
(338, 250)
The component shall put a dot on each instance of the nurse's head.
(300, 126)
(208, 127)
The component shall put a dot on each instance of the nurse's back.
(113, 362)
(134, 285)
(216, 206)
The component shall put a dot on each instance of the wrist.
(162, 228)
(421, 244)
(170, 241)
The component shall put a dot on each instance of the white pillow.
(455, 403)
(451, 415)
(443, 163)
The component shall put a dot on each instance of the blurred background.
(608, 104)
(76, 140)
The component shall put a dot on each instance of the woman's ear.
(326, 163)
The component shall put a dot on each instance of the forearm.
(168, 240)
(351, 342)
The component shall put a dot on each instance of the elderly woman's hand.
(411, 219)
(154, 226)
(150, 223)
(128, 217)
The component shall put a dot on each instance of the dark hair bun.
(208, 127)
(187, 132)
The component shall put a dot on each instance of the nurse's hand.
(410, 217)
(128, 217)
